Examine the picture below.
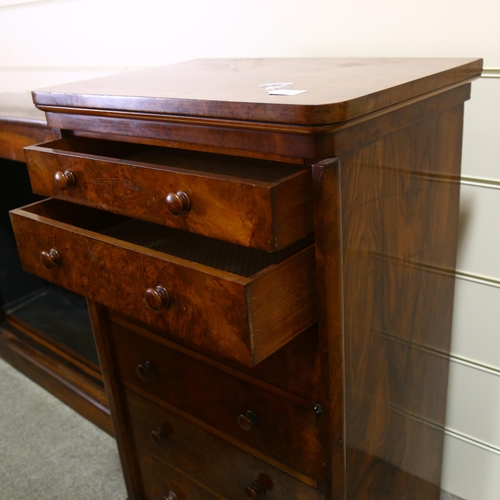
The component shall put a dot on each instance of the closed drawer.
(214, 462)
(238, 302)
(161, 482)
(255, 203)
(285, 429)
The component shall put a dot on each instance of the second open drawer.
(237, 302)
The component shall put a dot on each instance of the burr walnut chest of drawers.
(269, 274)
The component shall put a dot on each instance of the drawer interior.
(229, 257)
(177, 159)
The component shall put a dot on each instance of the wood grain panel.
(327, 217)
(337, 89)
(215, 463)
(207, 307)
(118, 411)
(269, 309)
(288, 432)
(232, 199)
(257, 138)
(295, 367)
(400, 199)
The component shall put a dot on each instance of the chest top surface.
(229, 89)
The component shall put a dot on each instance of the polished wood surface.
(295, 368)
(248, 321)
(288, 430)
(290, 143)
(337, 89)
(265, 205)
(351, 404)
(211, 460)
(328, 232)
(400, 206)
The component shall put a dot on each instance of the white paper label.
(281, 88)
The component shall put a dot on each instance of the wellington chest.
(267, 248)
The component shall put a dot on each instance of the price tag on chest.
(284, 88)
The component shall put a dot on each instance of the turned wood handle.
(170, 496)
(156, 298)
(158, 435)
(178, 202)
(50, 259)
(248, 420)
(64, 179)
(146, 370)
(255, 491)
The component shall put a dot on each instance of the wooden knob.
(248, 420)
(255, 491)
(64, 179)
(158, 435)
(170, 496)
(50, 259)
(146, 370)
(156, 298)
(177, 203)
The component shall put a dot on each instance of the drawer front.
(287, 431)
(214, 462)
(243, 319)
(265, 205)
(160, 481)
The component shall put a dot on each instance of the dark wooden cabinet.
(45, 330)
(270, 278)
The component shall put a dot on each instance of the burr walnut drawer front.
(217, 464)
(267, 420)
(132, 266)
(254, 203)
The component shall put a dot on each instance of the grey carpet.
(48, 451)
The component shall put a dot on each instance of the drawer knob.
(248, 420)
(64, 179)
(177, 203)
(50, 259)
(170, 496)
(146, 370)
(158, 435)
(255, 491)
(156, 298)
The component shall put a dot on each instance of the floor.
(49, 452)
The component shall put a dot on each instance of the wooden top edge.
(337, 89)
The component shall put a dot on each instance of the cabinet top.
(337, 89)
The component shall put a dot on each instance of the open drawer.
(238, 302)
(255, 203)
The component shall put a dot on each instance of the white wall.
(54, 41)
